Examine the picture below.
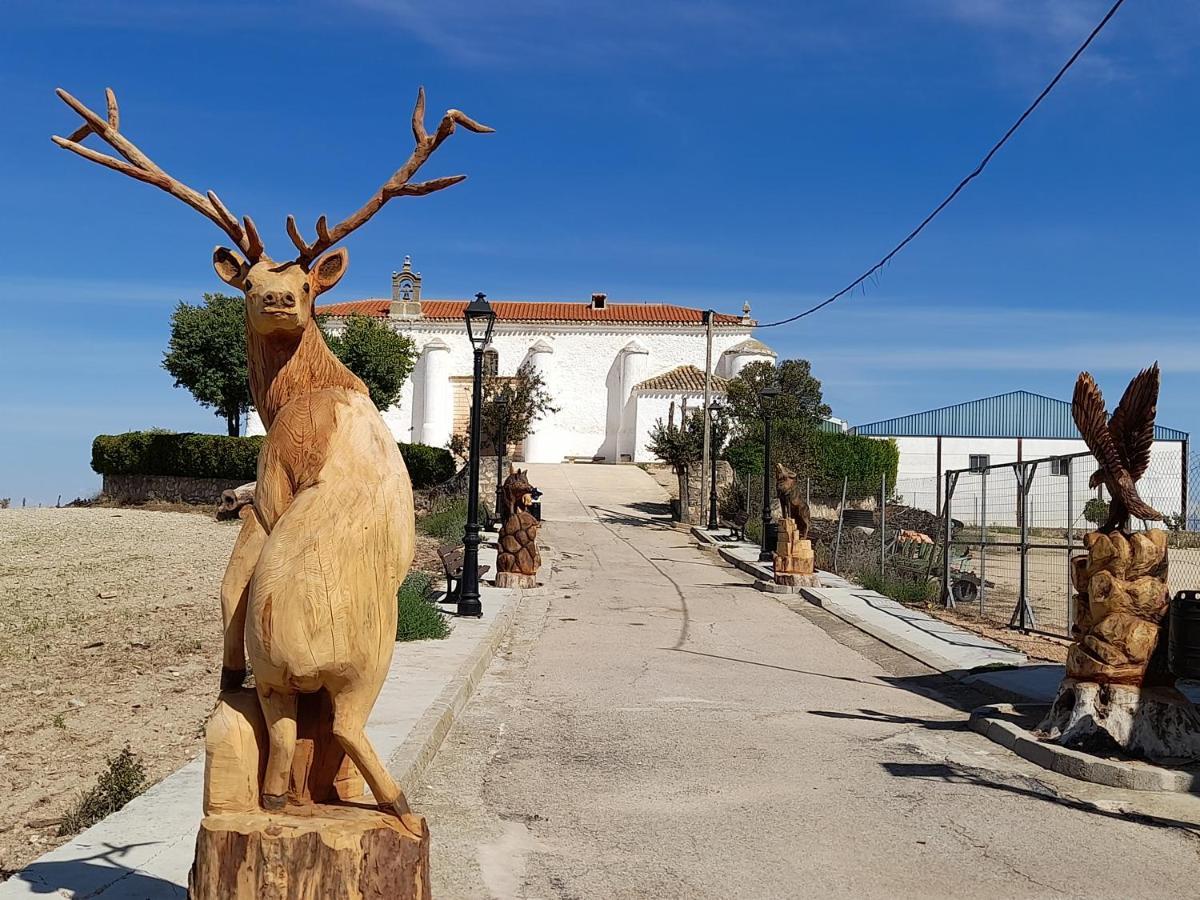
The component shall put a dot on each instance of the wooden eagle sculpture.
(1121, 444)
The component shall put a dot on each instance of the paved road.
(657, 728)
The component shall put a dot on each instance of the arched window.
(491, 363)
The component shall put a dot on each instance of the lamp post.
(502, 403)
(766, 400)
(480, 318)
(714, 417)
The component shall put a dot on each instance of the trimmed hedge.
(861, 460)
(427, 465)
(220, 456)
(166, 453)
(827, 457)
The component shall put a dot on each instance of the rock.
(76, 703)
(107, 595)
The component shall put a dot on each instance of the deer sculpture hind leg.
(350, 711)
(279, 709)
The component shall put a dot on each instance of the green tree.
(207, 355)
(528, 401)
(375, 353)
(799, 400)
(682, 448)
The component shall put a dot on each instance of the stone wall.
(139, 488)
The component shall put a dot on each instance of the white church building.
(612, 369)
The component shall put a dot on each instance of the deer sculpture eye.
(248, 285)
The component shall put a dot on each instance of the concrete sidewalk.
(144, 851)
(940, 645)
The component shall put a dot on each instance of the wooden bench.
(451, 556)
(736, 532)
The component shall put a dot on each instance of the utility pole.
(707, 453)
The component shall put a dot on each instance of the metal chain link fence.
(1013, 529)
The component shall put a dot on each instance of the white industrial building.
(612, 369)
(1009, 428)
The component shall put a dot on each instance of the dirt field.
(110, 634)
(110, 629)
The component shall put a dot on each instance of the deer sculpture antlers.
(244, 234)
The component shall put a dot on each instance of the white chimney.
(599, 300)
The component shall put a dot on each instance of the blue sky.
(704, 153)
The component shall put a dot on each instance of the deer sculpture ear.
(328, 270)
(230, 267)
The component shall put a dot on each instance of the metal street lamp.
(502, 406)
(480, 318)
(715, 409)
(766, 400)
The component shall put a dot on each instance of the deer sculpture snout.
(284, 299)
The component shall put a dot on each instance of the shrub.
(824, 456)
(446, 521)
(1095, 510)
(166, 453)
(427, 465)
(417, 619)
(900, 586)
(192, 455)
(123, 780)
(862, 460)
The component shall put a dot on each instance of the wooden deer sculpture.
(311, 587)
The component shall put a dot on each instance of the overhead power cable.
(962, 184)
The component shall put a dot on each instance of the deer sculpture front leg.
(235, 596)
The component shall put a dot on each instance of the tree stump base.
(515, 580)
(1156, 723)
(794, 562)
(311, 852)
(789, 579)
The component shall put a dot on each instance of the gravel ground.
(110, 634)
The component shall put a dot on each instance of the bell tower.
(406, 293)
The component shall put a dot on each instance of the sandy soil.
(110, 629)
(110, 634)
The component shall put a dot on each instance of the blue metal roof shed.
(1017, 414)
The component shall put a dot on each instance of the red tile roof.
(529, 311)
(685, 379)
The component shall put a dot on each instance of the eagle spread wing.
(1087, 408)
(1132, 424)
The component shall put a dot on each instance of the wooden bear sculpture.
(518, 559)
(310, 592)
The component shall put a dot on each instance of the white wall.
(654, 405)
(583, 375)
(1048, 499)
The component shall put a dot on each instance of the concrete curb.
(408, 763)
(993, 723)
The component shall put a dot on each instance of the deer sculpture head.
(280, 297)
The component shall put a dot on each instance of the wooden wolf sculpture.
(792, 504)
(311, 587)
(518, 559)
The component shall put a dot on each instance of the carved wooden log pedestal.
(794, 562)
(311, 852)
(1118, 693)
(328, 841)
(515, 580)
